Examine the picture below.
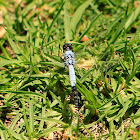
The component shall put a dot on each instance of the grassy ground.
(35, 100)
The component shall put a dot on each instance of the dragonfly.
(70, 62)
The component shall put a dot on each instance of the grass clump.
(34, 84)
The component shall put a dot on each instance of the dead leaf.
(2, 32)
(133, 133)
(51, 10)
(136, 3)
(87, 64)
(50, 137)
(84, 38)
(17, 1)
(1, 17)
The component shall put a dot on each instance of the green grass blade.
(5, 52)
(121, 112)
(25, 119)
(78, 14)
(119, 30)
(135, 89)
(124, 66)
(88, 94)
(53, 57)
(44, 75)
(135, 67)
(35, 89)
(134, 15)
(16, 118)
(113, 23)
(14, 134)
(9, 62)
(52, 120)
(2, 125)
(14, 47)
(109, 101)
(55, 18)
(23, 92)
(2, 135)
(28, 8)
(95, 8)
(58, 100)
(32, 83)
(42, 115)
(83, 78)
(31, 119)
(47, 131)
(91, 24)
(55, 64)
(67, 25)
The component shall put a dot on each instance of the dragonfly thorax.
(69, 58)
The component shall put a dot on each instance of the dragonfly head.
(67, 47)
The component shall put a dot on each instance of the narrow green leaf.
(95, 7)
(100, 119)
(43, 75)
(2, 135)
(14, 134)
(109, 101)
(83, 78)
(56, 64)
(134, 68)
(3, 58)
(41, 125)
(6, 54)
(55, 18)
(123, 66)
(33, 83)
(56, 98)
(8, 62)
(113, 23)
(27, 25)
(2, 125)
(53, 120)
(47, 131)
(134, 15)
(88, 94)
(135, 89)
(113, 84)
(14, 47)
(17, 10)
(67, 25)
(15, 120)
(25, 119)
(119, 30)
(77, 15)
(31, 119)
(121, 112)
(20, 38)
(23, 92)
(120, 99)
(3, 81)
(136, 117)
(28, 8)
(53, 57)
(125, 108)
(91, 24)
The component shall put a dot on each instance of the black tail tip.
(74, 88)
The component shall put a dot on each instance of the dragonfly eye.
(67, 46)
